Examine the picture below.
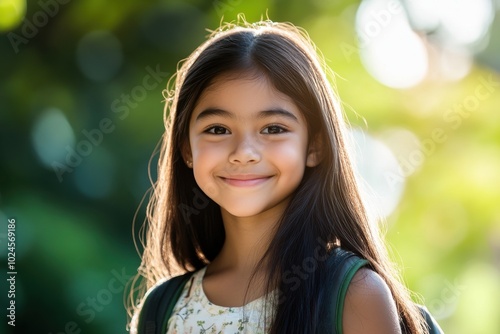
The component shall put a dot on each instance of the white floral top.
(194, 313)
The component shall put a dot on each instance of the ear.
(187, 156)
(314, 152)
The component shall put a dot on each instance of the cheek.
(206, 158)
(291, 149)
(204, 152)
(289, 156)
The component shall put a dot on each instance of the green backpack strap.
(345, 265)
(159, 303)
(432, 324)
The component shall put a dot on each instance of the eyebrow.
(210, 112)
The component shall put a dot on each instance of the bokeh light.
(11, 13)
(406, 147)
(390, 50)
(463, 22)
(51, 136)
(379, 175)
(99, 55)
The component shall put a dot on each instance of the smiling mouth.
(245, 182)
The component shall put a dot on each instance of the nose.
(245, 152)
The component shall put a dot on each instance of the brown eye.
(274, 129)
(217, 130)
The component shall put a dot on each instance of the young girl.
(255, 190)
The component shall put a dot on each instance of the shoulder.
(369, 306)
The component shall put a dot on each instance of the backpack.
(161, 299)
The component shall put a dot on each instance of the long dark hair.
(184, 230)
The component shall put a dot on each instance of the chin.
(243, 210)
(243, 213)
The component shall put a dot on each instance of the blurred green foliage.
(83, 63)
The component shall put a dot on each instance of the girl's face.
(249, 146)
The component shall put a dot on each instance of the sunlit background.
(81, 113)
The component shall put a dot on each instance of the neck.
(247, 239)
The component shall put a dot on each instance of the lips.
(245, 180)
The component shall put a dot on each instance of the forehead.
(244, 93)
